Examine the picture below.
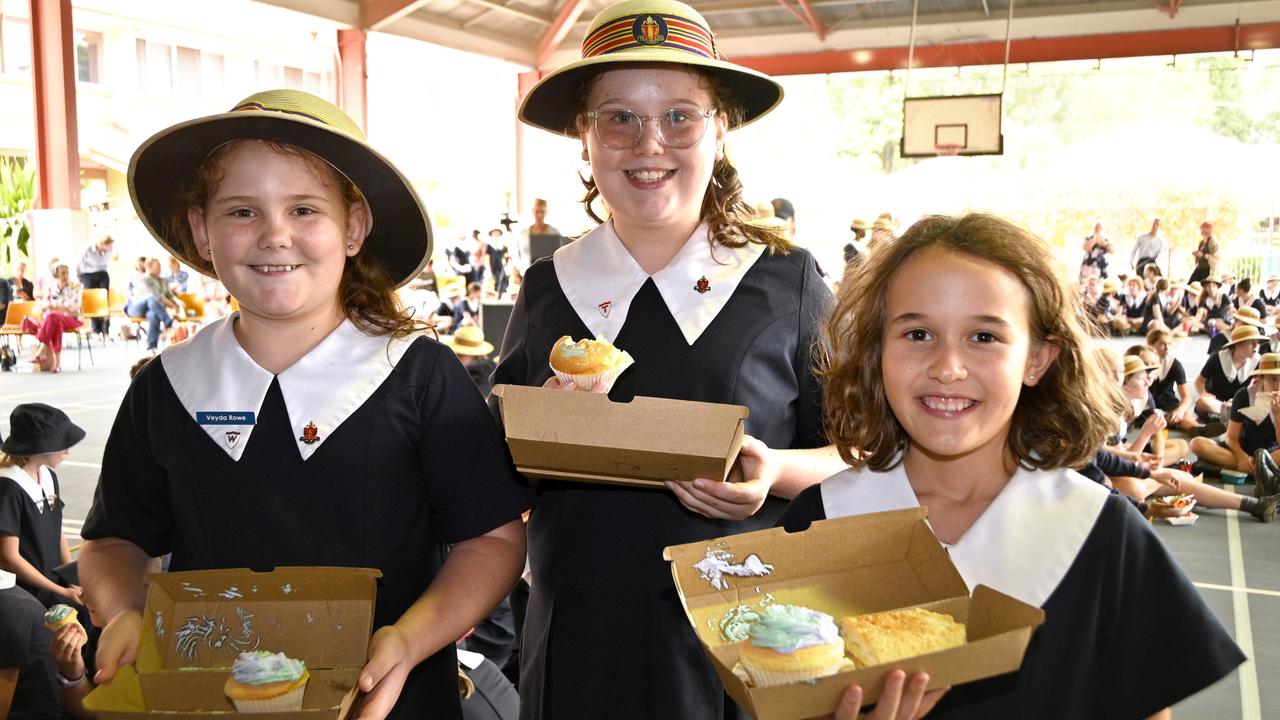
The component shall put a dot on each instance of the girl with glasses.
(713, 305)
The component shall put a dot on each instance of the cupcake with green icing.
(789, 643)
(59, 615)
(264, 681)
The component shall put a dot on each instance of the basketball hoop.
(947, 150)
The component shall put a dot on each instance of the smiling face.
(957, 351)
(279, 232)
(652, 186)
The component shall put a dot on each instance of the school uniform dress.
(367, 452)
(605, 635)
(1270, 301)
(24, 645)
(1253, 435)
(31, 510)
(1138, 307)
(1165, 387)
(1108, 586)
(1217, 309)
(1222, 378)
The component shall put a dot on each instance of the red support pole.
(524, 83)
(54, 81)
(353, 76)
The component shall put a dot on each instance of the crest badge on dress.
(703, 286)
(605, 307)
(232, 437)
(310, 434)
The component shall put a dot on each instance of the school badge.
(232, 437)
(605, 307)
(649, 30)
(310, 434)
(703, 286)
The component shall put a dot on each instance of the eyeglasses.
(677, 127)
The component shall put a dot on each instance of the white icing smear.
(717, 564)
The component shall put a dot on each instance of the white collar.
(7, 580)
(1051, 511)
(1229, 369)
(36, 489)
(223, 388)
(600, 279)
(1166, 365)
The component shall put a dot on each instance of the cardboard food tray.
(195, 624)
(586, 437)
(850, 566)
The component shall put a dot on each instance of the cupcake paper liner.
(585, 382)
(765, 678)
(291, 700)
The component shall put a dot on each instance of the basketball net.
(946, 150)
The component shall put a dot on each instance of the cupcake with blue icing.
(59, 615)
(266, 682)
(789, 643)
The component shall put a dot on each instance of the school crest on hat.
(649, 30)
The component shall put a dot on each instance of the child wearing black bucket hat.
(31, 540)
(317, 425)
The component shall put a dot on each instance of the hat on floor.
(37, 429)
(469, 340)
(399, 232)
(1245, 333)
(644, 31)
(1268, 365)
(1134, 365)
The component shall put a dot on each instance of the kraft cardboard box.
(586, 437)
(196, 624)
(850, 566)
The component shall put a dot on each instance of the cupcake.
(59, 615)
(266, 682)
(789, 643)
(587, 362)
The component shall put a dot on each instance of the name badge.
(223, 417)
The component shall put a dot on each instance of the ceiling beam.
(508, 10)
(377, 14)
(1080, 47)
(568, 15)
(812, 20)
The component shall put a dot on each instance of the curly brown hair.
(1062, 421)
(732, 220)
(367, 294)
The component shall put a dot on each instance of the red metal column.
(524, 83)
(353, 75)
(54, 81)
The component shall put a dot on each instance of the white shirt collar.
(1022, 545)
(1229, 369)
(223, 388)
(36, 489)
(600, 279)
(7, 580)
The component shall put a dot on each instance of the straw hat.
(644, 31)
(1213, 279)
(1249, 314)
(1268, 365)
(1270, 278)
(469, 340)
(1133, 365)
(858, 224)
(1194, 288)
(1244, 333)
(399, 234)
(1110, 286)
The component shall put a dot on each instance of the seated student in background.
(1213, 309)
(1270, 295)
(1248, 438)
(1242, 297)
(1243, 316)
(960, 372)
(473, 352)
(27, 690)
(1153, 437)
(1137, 306)
(1225, 372)
(1168, 307)
(1170, 390)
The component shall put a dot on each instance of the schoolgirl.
(1169, 386)
(960, 380)
(1213, 312)
(1226, 371)
(1168, 307)
(32, 543)
(1270, 295)
(712, 305)
(1250, 437)
(1137, 305)
(316, 426)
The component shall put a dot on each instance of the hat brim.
(1256, 338)
(399, 238)
(484, 348)
(1249, 320)
(1265, 371)
(552, 103)
(49, 443)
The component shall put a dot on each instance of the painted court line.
(1250, 701)
(1228, 588)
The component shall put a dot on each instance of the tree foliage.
(17, 197)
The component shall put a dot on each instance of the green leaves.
(17, 196)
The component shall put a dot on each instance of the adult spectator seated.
(176, 278)
(27, 690)
(152, 299)
(20, 285)
(60, 312)
(92, 270)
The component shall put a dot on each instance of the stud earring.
(351, 246)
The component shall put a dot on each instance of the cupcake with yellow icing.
(266, 682)
(58, 616)
(789, 643)
(587, 362)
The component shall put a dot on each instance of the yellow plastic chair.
(18, 309)
(95, 305)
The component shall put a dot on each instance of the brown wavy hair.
(367, 294)
(1062, 421)
(732, 220)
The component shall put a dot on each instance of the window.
(155, 67)
(268, 74)
(314, 83)
(293, 78)
(211, 67)
(189, 72)
(88, 57)
(166, 69)
(15, 46)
